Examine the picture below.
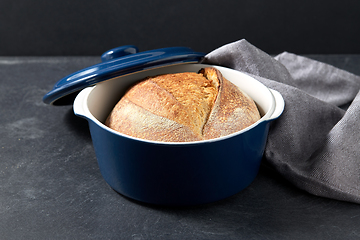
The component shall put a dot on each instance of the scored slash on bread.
(183, 107)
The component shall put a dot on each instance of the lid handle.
(118, 52)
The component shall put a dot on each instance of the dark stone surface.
(51, 187)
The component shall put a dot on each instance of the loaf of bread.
(183, 107)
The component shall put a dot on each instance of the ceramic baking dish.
(169, 173)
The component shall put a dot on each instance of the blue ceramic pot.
(177, 173)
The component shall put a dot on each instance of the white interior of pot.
(105, 95)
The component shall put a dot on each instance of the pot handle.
(79, 106)
(279, 105)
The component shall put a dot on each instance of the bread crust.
(183, 107)
(133, 120)
(233, 110)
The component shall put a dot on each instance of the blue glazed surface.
(179, 174)
(120, 61)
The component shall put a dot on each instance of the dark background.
(90, 27)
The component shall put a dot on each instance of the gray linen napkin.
(315, 144)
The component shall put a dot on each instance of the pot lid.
(116, 62)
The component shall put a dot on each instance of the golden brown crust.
(130, 119)
(183, 107)
(233, 110)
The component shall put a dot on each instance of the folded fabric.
(315, 144)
